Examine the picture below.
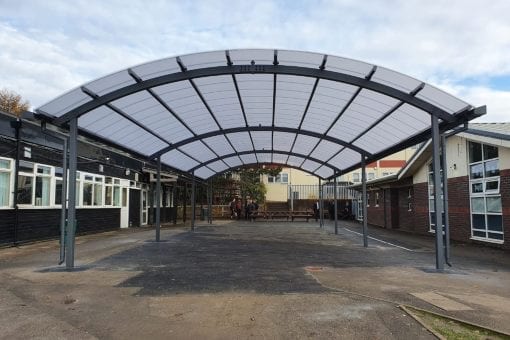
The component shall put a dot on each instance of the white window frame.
(10, 185)
(485, 194)
(377, 199)
(278, 178)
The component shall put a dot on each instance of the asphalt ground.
(238, 279)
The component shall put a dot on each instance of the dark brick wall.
(505, 201)
(41, 224)
(406, 217)
(458, 209)
(420, 219)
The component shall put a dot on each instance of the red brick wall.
(420, 218)
(458, 209)
(406, 217)
(505, 201)
(375, 214)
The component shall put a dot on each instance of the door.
(124, 204)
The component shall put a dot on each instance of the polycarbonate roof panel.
(241, 140)
(442, 99)
(264, 157)
(184, 101)
(348, 66)
(261, 140)
(345, 159)
(110, 83)
(198, 150)
(280, 158)
(257, 96)
(233, 161)
(328, 101)
(143, 108)
(219, 144)
(403, 123)
(299, 58)
(66, 102)
(156, 68)
(325, 150)
(324, 172)
(292, 95)
(161, 110)
(310, 166)
(282, 141)
(221, 96)
(304, 144)
(249, 158)
(204, 172)
(218, 166)
(111, 126)
(178, 160)
(395, 79)
(364, 111)
(204, 59)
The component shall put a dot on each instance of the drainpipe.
(16, 125)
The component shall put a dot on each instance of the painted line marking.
(378, 240)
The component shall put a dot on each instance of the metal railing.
(299, 192)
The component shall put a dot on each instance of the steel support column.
(438, 208)
(63, 216)
(336, 207)
(71, 214)
(320, 204)
(445, 201)
(209, 203)
(158, 201)
(364, 199)
(193, 202)
(174, 205)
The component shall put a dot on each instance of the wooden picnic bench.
(280, 214)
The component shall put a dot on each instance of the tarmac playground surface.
(237, 280)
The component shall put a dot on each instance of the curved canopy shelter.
(209, 112)
(206, 113)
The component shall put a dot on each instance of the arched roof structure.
(209, 112)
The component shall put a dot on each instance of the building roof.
(206, 113)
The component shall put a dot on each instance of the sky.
(48, 47)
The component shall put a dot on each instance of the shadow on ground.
(216, 261)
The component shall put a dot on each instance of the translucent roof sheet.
(209, 112)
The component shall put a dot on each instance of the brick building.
(478, 171)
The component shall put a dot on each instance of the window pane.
(476, 171)
(478, 221)
(479, 233)
(108, 195)
(431, 205)
(496, 236)
(59, 172)
(44, 170)
(42, 191)
(87, 193)
(5, 179)
(355, 177)
(371, 175)
(98, 194)
(492, 186)
(492, 168)
(478, 205)
(432, 217)
(25, 189)
(116, 196)
(494, 204)
(58, 191)
(495, 222)
(270, 179)
(5, 164)
(124, 197)
(475, 152)
(108, 180)
(490, 152)
(477, 187)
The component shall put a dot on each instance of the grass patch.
(453, 329)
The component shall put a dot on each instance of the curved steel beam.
(263, 151)
(259, 128)
(256, 69)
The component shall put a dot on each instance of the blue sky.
(48, 47)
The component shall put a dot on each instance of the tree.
(11, 102)
(250, 183)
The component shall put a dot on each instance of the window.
(112, 191)
(376, 199)
(42, 185)
(280, 178)
(360, 207)
(368, 198)
(355, 177)
(25, 182)
(169, 199)
(484, 184)
(370, 176)
(58, 185)
(92, 190)
(409, 199)
(431, 189)
(5, 182)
